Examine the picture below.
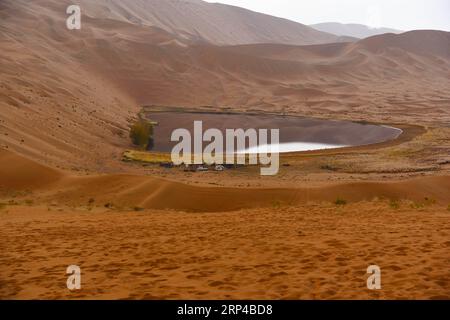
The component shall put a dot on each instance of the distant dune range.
(18, 174)
(67, 97)
(200, 21)
(352, 29)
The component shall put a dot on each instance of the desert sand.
(67, 99)
(280, 244)
(315, 251)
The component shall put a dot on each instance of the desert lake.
(296, 133)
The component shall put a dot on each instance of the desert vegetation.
(141, 134)
(340, 202)
(146, 157)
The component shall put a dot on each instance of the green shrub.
(417, 205)
(141, 134)
(328, 167)
(394, 204)
(340, 202)
(276, 204)
(429, 201)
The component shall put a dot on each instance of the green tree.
(141, 133)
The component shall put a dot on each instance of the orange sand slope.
(128, 191)
(303, 252)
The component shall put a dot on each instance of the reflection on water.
(290, 147)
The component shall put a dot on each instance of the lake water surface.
(296, 133)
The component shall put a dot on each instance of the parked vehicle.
(168, 165)
(219, 168)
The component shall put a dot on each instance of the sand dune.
(193, 20)
(303, 252)
(254, 244)
(68, 96)
(210, 22)
(352, 29)
(128, 191)
(425, 42)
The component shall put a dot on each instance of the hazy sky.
(398, 14)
